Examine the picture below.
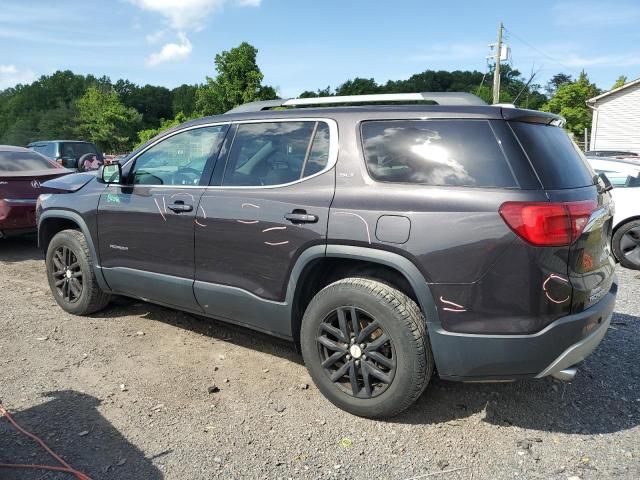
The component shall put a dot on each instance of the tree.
(106, 121)
(145, 135)
(325, 92)
(358, 86)
(184, 100)
(570, 101)
(556, 81)
(619, 82)
(239, 81)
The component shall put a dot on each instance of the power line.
(549, 57)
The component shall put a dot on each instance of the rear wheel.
(71, 276)
(626, 244)
(366, 347)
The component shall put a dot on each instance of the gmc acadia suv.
(388, 241)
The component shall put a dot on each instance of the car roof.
(59, 141)
(614, 160)
(13, 148)
(373, 112)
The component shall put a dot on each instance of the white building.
(616, 119)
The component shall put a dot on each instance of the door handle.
(301, 216)
(179, 207)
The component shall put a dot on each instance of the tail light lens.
(59, 161)
(548, 224)
(4, 209)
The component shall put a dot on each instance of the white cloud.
(623, 60)
(171, 52)
(598, 14)
(155, 37)
(10, 76)
(189, 14)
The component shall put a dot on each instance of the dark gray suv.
(387, 241)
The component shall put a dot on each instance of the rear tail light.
(59, 161)
(4, 209)
(548, 223)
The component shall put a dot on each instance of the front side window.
(179, 159)
(436, 152)
(276, 153)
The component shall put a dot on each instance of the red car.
(22, 171)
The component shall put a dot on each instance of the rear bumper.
(20, 216)
(560, 345)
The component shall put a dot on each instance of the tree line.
(120, 115)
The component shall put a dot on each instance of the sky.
(312, 44)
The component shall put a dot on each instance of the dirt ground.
(125, 395)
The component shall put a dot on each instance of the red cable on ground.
(65, 466)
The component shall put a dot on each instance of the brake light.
(4, 209)
(548, 223)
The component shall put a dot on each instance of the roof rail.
(440, 98)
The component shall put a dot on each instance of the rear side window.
(276, 153)
(24, 162)
(436, 152)
(554, 156)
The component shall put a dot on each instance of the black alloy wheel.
(630, 246)
(67, 274)
(356, 353)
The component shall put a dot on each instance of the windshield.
(24, 162)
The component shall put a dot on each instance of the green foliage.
(512, 85)
(105, 120)
(153, 102)
(570, 100)
(619, 82)
(145, 135)
(556, 81)
(325, 92)
(119, 115)
(239, 81)
(184, 100)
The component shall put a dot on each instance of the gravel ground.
(125, 394)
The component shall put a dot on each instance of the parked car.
(610, 153)
(625, 178)
(22, 173)
(388, 241)
(66, 152)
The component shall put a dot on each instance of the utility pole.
(496, 72)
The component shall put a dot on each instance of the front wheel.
(365, 346)
(71, 276)
(626, 244)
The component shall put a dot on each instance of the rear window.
(76, 150)
(24, 162)
(436, 152)
(557, 160)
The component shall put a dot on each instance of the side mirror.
(111, 173)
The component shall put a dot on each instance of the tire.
(626, 244)
(77, 292)
(402, 361)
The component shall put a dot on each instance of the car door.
(146, 225)
(271, 203)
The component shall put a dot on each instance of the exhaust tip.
(565, 375)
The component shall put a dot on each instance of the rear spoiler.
(532, 116)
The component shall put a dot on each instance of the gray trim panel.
(74, 217)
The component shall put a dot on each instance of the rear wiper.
(602, 182)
